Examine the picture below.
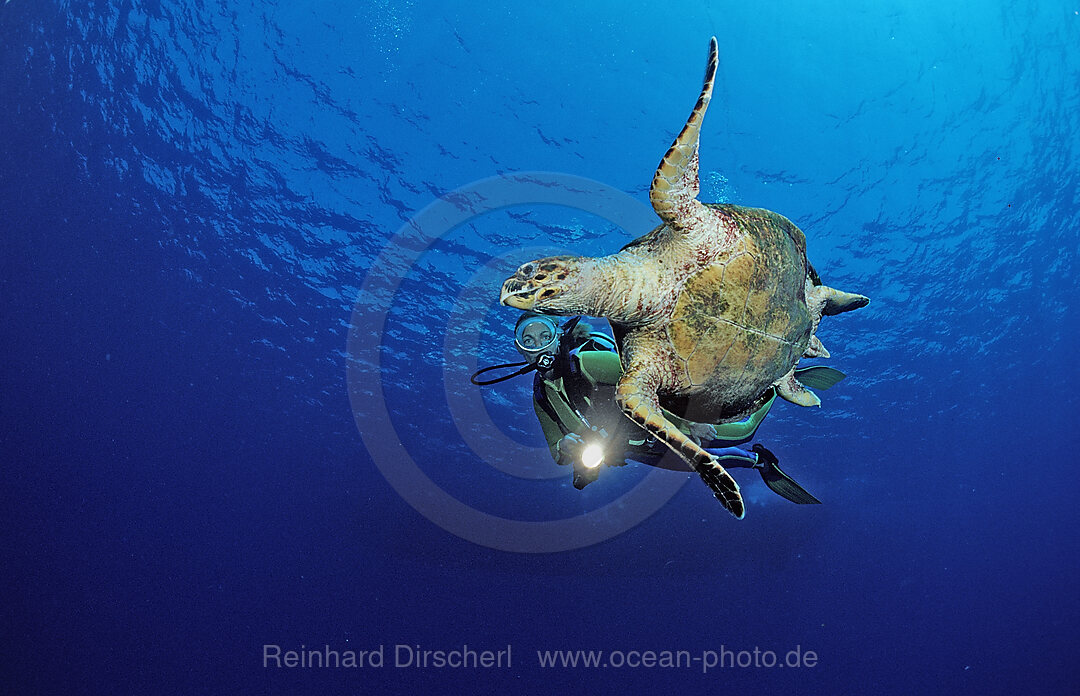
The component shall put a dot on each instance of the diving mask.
(535, 336)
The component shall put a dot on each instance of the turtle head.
(555, 285)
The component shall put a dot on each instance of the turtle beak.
(517, 294)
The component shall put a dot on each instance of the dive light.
(592, 456)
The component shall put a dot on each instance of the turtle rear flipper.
(636, 395)
(790, 388)
(833, 301)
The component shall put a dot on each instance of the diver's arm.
(600, 366)
(552, 432)
(569, 449)
(566, 449)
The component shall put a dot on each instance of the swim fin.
(818, 376)
(779, 482)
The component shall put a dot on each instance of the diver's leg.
(734, 457)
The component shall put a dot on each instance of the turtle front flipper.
(636, 395)
(675, 185)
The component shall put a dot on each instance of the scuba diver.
(574, 399)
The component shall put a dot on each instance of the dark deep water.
(193, 195)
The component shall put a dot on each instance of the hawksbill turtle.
(712, 310)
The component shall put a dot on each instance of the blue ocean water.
(231, 356)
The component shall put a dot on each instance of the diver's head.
(535, 336)
(560, 285)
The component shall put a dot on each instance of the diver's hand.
(570, 447)
(702, 432)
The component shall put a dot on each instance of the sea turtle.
(710, 310)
